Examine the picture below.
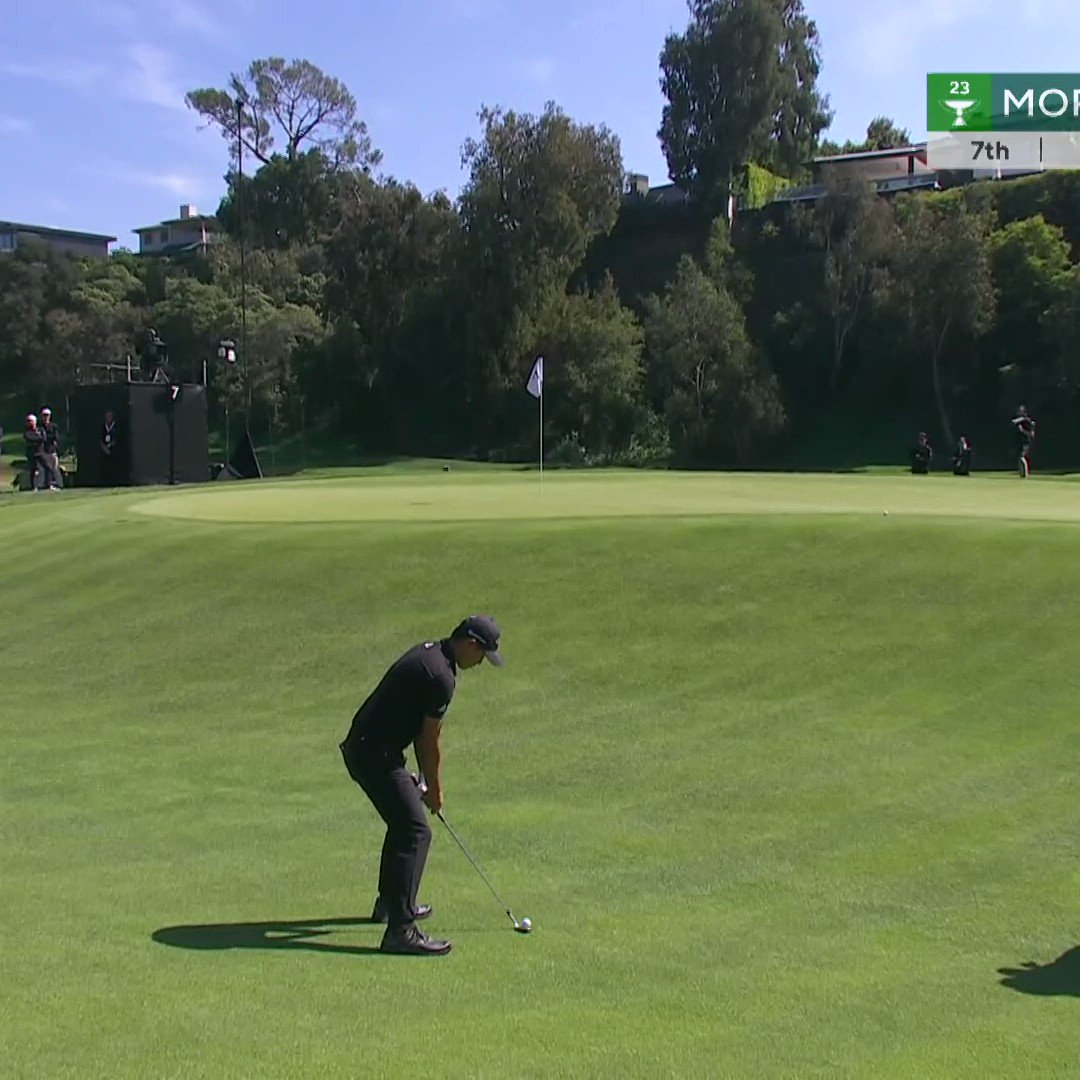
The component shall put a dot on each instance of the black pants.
(40, 463)
(112, 469)
(395, 796)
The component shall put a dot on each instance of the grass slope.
(781, 792)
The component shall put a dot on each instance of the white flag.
(536, 379)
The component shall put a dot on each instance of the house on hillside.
(638, 190)
(901, 168)
(65, 241)
(191, 231)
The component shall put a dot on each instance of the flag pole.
(535, 386)
(541, 439)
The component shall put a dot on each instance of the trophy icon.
(960, 106)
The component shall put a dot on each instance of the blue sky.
(94, 134)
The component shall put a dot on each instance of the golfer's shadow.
(277, 934)
(1060, 977)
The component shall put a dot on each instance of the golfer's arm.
(428, 747)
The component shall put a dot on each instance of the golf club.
(522, 927)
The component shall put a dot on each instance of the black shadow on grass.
(276, 934)
(1061, 977)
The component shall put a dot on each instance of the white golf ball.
(527, 923)
(885, 512)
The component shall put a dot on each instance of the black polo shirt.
(51, 442)
(419, 684)
(35, 443)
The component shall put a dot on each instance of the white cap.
(31, 416)
(46, 411)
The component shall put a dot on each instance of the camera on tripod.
(154, 359)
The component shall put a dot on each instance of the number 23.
(959, 87)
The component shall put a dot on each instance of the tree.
(741, 86)
(945, 282)
(718, 394)
(724, 267)
(1061, 330)
(34, 280)
(287, 201)
(540, 189)
(593, 369)
(389, 263)
(298, 101)
(1033, 276)
(882, 133)
(855, 229)
(103, 319)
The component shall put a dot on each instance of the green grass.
(782, 782)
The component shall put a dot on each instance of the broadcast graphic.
(1003, 122)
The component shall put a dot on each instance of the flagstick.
(541, 438)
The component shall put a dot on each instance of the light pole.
(243, 268)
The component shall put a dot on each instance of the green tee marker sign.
(1002, 103)
(992, 124)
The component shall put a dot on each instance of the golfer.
(1024, 424)
(408, 706)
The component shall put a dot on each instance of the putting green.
(503, 495)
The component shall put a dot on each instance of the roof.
(662, 193)
(44, 230)
(193, 220)
(867, 155)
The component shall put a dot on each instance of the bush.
(569, 451)
(650, 446)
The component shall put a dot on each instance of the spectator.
(51, 448)
(34, 438)
(921, 455)
(961, 465)
(111, 464)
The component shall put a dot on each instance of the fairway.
(783, 782)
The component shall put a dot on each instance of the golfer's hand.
(433, 800)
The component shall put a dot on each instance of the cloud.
(179, 184)
(148, 77)
(539, 70)
(13, 125)
(145, 74)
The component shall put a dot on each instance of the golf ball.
(885, 512)
(526, 924)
